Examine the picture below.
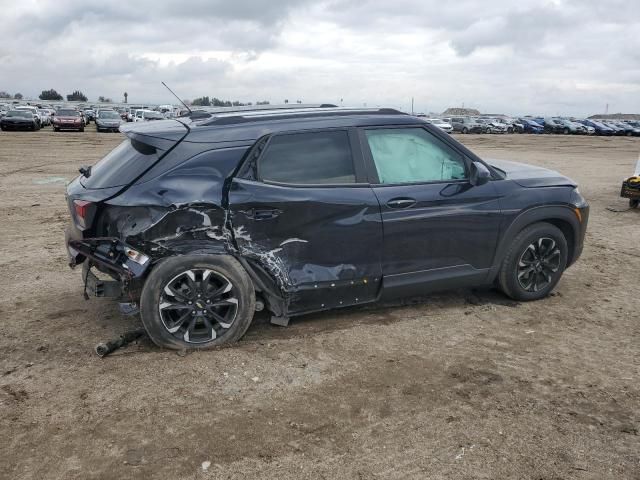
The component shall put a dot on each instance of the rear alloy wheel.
(534, 263)
(465, 130)
(565, 131)
(197, 302)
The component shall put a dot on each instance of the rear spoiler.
(161, 134)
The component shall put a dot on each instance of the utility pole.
(411, 105)
(606, 109)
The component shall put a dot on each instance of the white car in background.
(441, 124)
(45, 117)
(147, 115)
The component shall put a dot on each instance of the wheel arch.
(561, 216)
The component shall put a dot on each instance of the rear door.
(301, 209)
(438, 228)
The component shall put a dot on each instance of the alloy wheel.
(539, 262)
(198, 305)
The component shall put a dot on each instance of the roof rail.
(203, 112)
(284, 114)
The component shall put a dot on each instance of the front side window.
(308, 158)
(413, 155)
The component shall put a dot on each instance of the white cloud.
(530, 56)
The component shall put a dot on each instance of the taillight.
(82, 210)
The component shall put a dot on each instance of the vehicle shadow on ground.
(384, 313)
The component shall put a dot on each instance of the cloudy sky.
(526, 56)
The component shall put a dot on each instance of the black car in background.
(19, 120)
(201, 222)
(556, 125)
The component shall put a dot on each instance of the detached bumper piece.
(95, 287)
(110, 254)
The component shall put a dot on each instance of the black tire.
(633, 203)
(545, 239)
(465, 130)
(56, 129)
(81, 129)
(565, 131)
(4, 129)
(175, 269)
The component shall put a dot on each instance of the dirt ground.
(458, 385)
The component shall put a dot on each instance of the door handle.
(262, 213)
(401, 202)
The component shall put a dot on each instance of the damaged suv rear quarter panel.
(178, 210)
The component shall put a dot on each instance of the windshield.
(68, 113)
(153, 115)
(20, 113)
(112, 115)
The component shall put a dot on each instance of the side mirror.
(479, 174)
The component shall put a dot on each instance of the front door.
(302, 211)
(439, 230)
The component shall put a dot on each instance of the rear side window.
(122, 165)
(308, 158)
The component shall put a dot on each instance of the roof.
(249, 125)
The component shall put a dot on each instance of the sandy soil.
(459, 385)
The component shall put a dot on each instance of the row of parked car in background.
(558, 125)
(77, 117)
(109, 119)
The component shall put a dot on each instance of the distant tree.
(50, 95)
(18, 96)
(103, 99)
(201, 102)
(263, 102)
(77, 96)
(286, 101)
(125, 97)
(4, 94)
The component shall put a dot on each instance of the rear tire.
(534, 263)
(465, 130)
(180, 309)
(565, 131)
(633, 203)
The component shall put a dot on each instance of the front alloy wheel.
(534, 262)
(538, 264)
(198, 305)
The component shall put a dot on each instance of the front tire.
(197, 302)
(534, 263)
(633, 203)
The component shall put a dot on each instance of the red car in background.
(68, 119)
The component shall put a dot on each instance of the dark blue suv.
(203, 220)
